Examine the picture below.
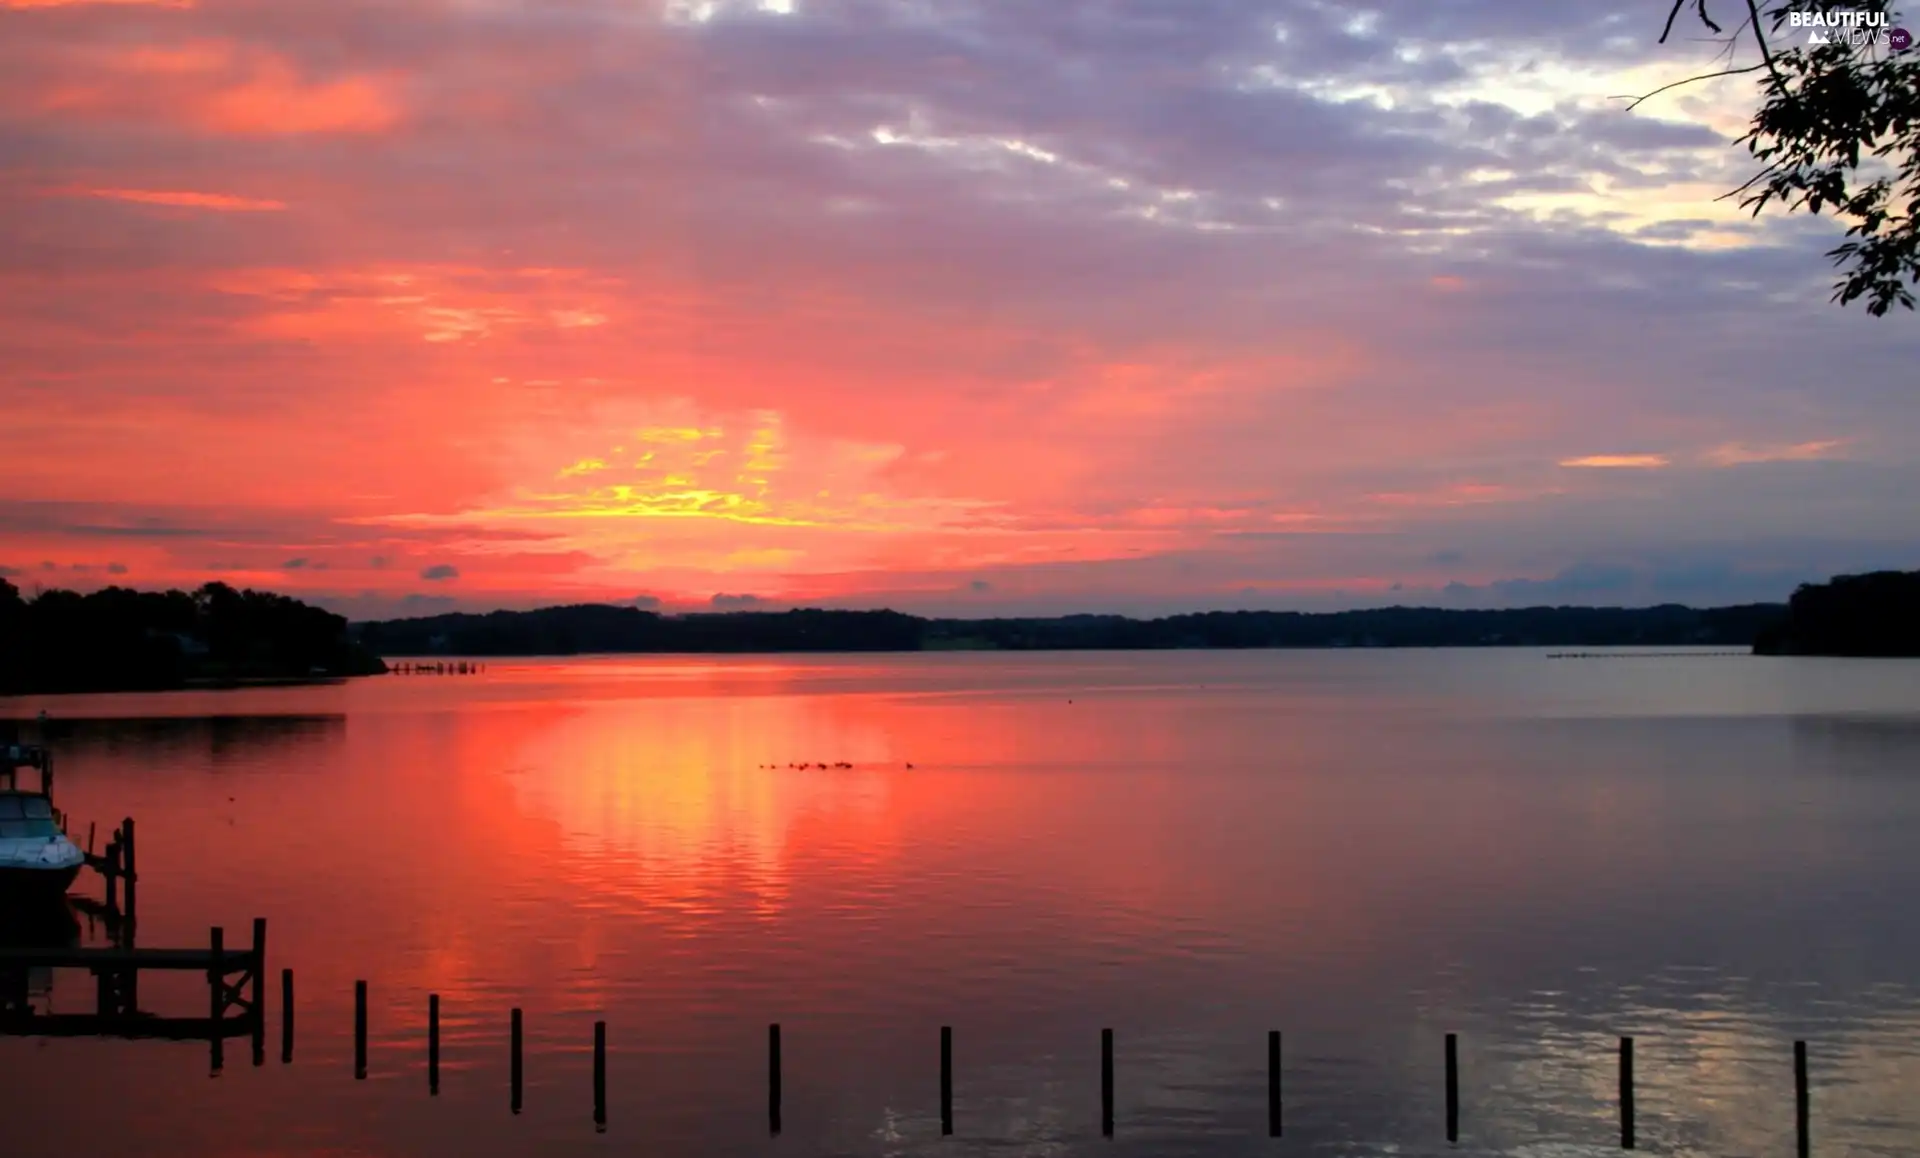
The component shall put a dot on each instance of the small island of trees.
(118, 639)
(1876, 614)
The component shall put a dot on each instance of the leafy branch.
(1826, 110)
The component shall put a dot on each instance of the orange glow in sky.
(444, 306)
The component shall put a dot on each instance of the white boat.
(37, 861)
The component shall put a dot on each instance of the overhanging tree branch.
(1637, 100)
(1837, 130)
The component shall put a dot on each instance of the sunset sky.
(953, 306)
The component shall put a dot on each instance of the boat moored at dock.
(37, 860)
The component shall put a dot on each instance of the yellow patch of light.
(1629, 210)
(1531, 86)
(1618, 461)
(628, 502)
(584, 466)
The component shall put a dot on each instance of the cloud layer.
(1125, 304)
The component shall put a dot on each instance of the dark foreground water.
(1367, 850)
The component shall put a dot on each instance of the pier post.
(131, 867)
(1626, 1093)
(286, 1016)
(1106, 1083)
(515, 1076)
(433, 1043)
(1801, 1107)
(600, 1075)
(217, 991)
(773, 1078)
(946, 1079)
(1453, 1088)
(216, 973)
(112, 870)
(256, 989)
(1273, 1083)
(360, 1031)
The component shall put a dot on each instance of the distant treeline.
(592, 628)
(1877, 614)
(118, 639)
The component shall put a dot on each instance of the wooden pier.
(234, 975)
(234, 982)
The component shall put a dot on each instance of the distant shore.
(120, 640)
(598, 629)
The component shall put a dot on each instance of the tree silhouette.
(1837, 131)
(120, 639)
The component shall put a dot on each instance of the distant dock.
(452, 667)
(1646, 654)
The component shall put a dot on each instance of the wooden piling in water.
(1273, 1083)
(360, 1030)
(256, 987)
(216, 950)
(1106, 1083)
(1803, 1129)
(433, 1043)
(129, 868)
(111, 868)
(946, 1079)
(286, 1017)
(1626, 1093)
(1453, 1088)
(773, 1078)
(216, 991)
(600, 1075)
(515, 1073)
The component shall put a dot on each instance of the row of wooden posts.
(1628, 1139)
(414, 667)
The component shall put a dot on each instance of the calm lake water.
(1366, 850)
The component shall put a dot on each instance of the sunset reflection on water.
(1365, 850)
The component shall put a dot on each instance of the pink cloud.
(25, 4)
(1737, 454)
(1619, 461)
(215, 86)
(182, 199)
